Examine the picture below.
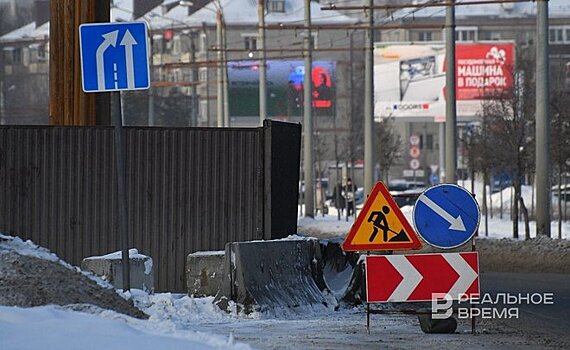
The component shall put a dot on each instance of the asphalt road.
(540, 319)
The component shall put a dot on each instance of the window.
(559, 35)
(492, 35)
(425, 36)
(276, 6)
(203, 74)
(250, 42)
(8, 56)
(203, 112)
(42, 56)
(466, 34)
(203, 43)
(157, 43)
(176, 45)
(17, 56)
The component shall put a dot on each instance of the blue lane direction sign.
(114, 56)
(446, 216)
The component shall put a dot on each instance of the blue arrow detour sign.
(446, 216)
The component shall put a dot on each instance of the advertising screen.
(284, 87)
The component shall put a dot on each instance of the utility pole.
(542, 123)
(220, 71)
(207, 89)
(68, 104)
(307, 116)
(194, 122)
(450, 103)
(225, 79)
(262, 63)
(369, 100)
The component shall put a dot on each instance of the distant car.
(405, 192)
(564, 190)
(359, 196)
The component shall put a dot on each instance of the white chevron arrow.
(110, 40)
(456, 223)
(466, 274)
(411, 278)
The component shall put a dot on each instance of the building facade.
(192, 68)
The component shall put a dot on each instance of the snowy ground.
(181, 322)
(329, 226)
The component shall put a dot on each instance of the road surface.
(540, 320)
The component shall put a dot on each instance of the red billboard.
(484, 70)
(410, 79)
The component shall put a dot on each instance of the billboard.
(285, 88)
(483, 70)
(409, 80)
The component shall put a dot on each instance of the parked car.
(405, 192)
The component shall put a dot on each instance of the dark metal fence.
(189, 189)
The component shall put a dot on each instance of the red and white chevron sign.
(400, 278)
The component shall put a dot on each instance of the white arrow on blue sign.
(114, 56)
(446, 216)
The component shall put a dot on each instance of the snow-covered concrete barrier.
(278, 274)
(204, 273)
(109, 267)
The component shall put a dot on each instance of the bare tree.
(508, 136)
(560, 145)
(389, 146)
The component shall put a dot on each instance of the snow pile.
(540, 254)
(53, 327)
(30, 249)
(67, 310)
(33, 276)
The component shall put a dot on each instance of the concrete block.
(275, 274)
(204, 273)
(110, 268)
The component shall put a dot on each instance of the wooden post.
(68, 104)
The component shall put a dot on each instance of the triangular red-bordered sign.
(381, 225)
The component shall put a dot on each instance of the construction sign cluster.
(445, 216)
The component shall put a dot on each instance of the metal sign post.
(121, 167)
(114, 57)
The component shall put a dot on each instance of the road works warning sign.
(381, 225)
